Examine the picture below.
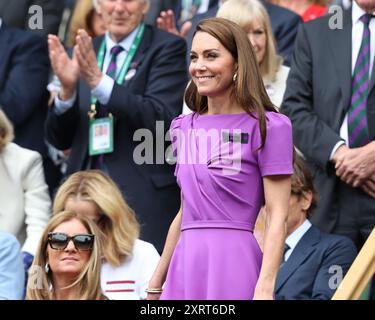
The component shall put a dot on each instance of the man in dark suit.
(284, 25)
(314, 263)
(320, 99)
(16, 14)
(150, 90)
(23, 85)
(24, 68)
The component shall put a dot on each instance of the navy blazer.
(284, 24)
(153, 94)
(24, 67)
(316, 99)
(307, 274)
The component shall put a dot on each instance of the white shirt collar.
(357, 12)
(126, 43)
(297, 234)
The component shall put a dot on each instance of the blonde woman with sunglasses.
(68, 260)
(128, 262)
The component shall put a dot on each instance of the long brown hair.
(248, 88)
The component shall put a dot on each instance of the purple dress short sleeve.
(220, 172)
(276, 157)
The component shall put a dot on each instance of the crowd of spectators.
(88, 91)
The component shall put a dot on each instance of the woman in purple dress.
(234, 152)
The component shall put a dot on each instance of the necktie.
(111, 70)
(97, 162)
(357, 117)
(286, 248)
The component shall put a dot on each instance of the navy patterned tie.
(111, 70)
(357, 117)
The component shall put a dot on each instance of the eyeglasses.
(59, 241)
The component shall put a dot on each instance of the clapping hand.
(64, 67)
(86, 58)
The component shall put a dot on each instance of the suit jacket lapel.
(341, 48)
(305, 247)
(139, 55)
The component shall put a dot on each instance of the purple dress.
(219, 171)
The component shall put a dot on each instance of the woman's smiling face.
(211, 66)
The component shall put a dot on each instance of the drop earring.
(235, 77)
(46, 268)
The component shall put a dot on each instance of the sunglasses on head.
(59, 241)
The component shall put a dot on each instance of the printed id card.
(101, 136)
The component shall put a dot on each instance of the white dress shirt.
(104, 89)
(295, 237)
(357, 31)
(204, 6)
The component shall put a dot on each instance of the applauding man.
(132, 78)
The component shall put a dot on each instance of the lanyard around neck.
(125, 66)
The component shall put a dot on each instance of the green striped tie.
(111, 70)
(357, 116)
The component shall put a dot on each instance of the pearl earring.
(235, 77)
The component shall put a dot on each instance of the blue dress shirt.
(12, 274)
